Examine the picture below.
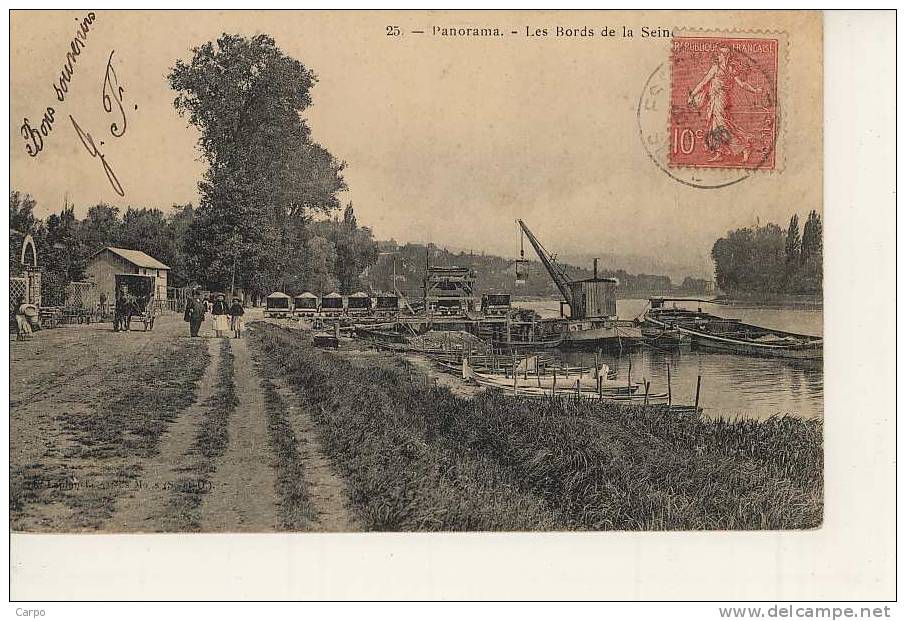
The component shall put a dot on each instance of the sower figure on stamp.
(724, 135)
(195, 310)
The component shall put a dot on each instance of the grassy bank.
(419, 457)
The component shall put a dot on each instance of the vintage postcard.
(415, 271)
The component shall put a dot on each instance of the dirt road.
(156, 432)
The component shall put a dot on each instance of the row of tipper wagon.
(308, 304)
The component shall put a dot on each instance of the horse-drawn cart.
(135, 299)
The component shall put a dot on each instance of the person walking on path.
(236, 313)
(195, 309)
(221, 314)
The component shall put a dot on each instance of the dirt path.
(145, 509)
(243, 494)
(327, 491)
(68, 372)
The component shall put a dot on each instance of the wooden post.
(647, 384)
(515, 379)
(597, 366)
(669, 388)
(554, 387)
(577, 390)
(698, 389)
(600, 388)
(629, 378)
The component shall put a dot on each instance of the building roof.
(277, 294)
(307, 294)
(135, 257)
(333, 295)
(359, 294)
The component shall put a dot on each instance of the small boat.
(714, 333)
(601, 381)
(325, 339)
(664, 337)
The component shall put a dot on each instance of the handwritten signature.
(111, 93)
(93, 151)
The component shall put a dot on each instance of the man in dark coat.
(195, 310)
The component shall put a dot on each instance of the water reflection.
(732, 385)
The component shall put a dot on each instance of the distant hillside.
(497, 274)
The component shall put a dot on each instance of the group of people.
(226, 318)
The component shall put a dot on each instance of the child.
(236, 313)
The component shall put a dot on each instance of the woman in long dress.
(221, 313)
(23, 326)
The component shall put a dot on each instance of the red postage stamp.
(723, 102)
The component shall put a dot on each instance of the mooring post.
(698, 389)
(515, 377)
(629, 379)
(669, 389)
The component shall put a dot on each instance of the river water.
(732, 385)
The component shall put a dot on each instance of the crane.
(558, 274)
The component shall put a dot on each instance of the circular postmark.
(654, 125)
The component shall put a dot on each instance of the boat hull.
(810, 348)
(607, 336)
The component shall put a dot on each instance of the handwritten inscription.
(111, 95)
(61, 86)
(94, 151)
(34, 135)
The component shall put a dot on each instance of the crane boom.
(558, 274)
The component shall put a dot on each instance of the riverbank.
(417, 456)
(760, 300)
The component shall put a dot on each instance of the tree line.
(770, 260)
(333, 254)
(497, 274)
(269, 208)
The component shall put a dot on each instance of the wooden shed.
(594, 297)
(305, 304)
(358, 303)
(332, 304)
(105, 264)
(278, 304)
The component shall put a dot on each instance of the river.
(732, 385)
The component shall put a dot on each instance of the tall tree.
(265, 173)
(100, 227)
(793, 242)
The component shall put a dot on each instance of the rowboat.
(714, 333)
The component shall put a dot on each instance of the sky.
(446, 140)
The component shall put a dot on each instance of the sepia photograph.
(416, 271)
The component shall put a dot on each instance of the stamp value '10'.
(723, 103)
